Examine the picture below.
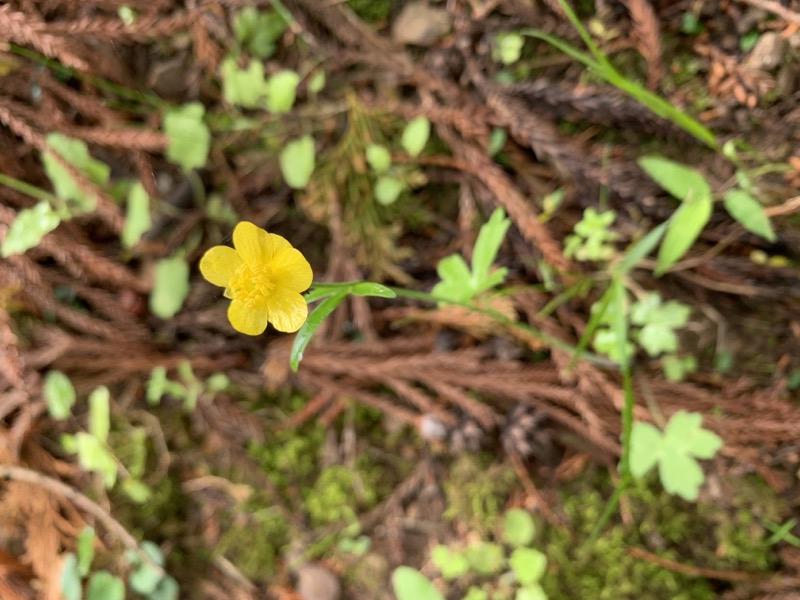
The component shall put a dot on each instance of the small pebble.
(420, 25)
(315, 582)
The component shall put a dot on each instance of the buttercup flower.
(263, 276)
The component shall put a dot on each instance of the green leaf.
(507, 47)
(485, 558)
(528, 565)
(682, 182)
(58, 394)
(658, 321)
(316, 82)
(105, 586)
(497, 139)
(188, 137)
(76, 153)
(258, 31)
(415, 135)
(144, 579)
(28, 228)
(93, 455)
(451, 563)
(243, 87)
(84, 548)
(167, 589)
(368, 288)
(99, 413)
(170, 286)
(518, 527)
(296, 161)
(455, 277)
(684, 430)
(645, 448)
(475, 593)
(593, 236)
(315, 318)
(684, 227)
(281, 91)
(490, 237)
(136, 490)
(749, 213)
(70, 579)
(378, 157)
(388, 189)
(681, 475)
(531, 592)
(137, 215)
(410, 584)
(675, 450)
(641, 248)
(676, 367)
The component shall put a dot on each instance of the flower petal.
(287, 309)
(290, 269)
(219, 263)
(248, 319)
(252, 243)
(278, 242)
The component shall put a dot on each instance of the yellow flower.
(263, 276)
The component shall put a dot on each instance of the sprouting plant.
(188, 136)
(94, 453)
(654, 324)
(675, 451)
(187, 387)
(592, 238)
(258, 31)
(512, 569)
(460, 283)
(296, 161)
(147, 577)
(507, 47)
(658, 321)
(263, 276)
(392, 180)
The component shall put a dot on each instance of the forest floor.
(134, 137)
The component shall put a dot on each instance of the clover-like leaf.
(675, 450)
(659, 321)
(243, 86)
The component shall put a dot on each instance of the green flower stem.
(28, 189)
(504, 320)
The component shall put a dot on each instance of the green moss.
(721, 535)
(476, 491)
(338, 494)
(253, 538)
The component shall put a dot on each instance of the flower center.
(251, 284)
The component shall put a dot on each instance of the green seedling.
(258, 31)
(296, 161)
(592, 239)
(460, 283)
(188, 137)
